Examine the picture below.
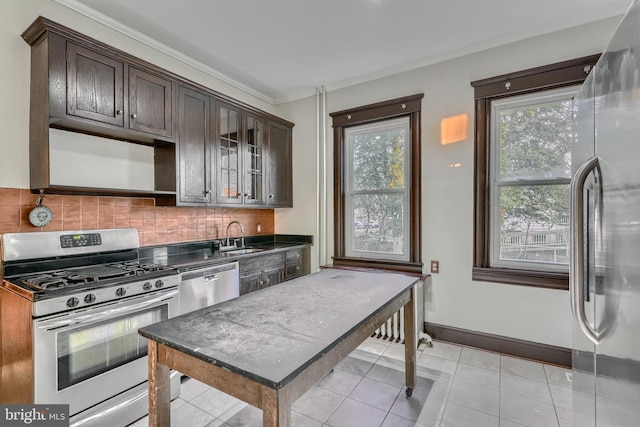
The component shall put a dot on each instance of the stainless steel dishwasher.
(205, 286)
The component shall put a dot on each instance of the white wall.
(302, 218)
(453, 299)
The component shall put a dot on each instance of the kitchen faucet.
(228, 245)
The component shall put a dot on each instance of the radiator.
(393, 328)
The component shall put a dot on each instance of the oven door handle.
(93, 317)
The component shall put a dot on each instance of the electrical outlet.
(435, 267)
(259, 228)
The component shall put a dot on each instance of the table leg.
(410, 343)
(159, 390)
(276, 407)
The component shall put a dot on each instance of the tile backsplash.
(155, 224)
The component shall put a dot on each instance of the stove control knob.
(120, 292)
(147, 286)
(72, 302)
(159, 283)
(89, 298)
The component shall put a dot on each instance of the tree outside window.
(532, 157)
(376, 193)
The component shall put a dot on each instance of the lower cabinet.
(261, 271)
(297, 263)
(250, 282)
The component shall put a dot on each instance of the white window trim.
(494, 186)
(406, 191)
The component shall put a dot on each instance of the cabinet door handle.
(133, 116)
(271, 196)
(207, 192)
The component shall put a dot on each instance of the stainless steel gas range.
(71, 305)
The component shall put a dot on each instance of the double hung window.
(524, 129)
(377, 185)
(376, 189)
(530, 173)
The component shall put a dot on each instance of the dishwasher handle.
(209, 285)
(209, 273)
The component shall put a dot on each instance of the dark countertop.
(185, 256)
(271, 335)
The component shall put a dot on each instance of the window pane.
(376, 194)
(378, 223)
(378, 156)
(534, 223)
(535, 140)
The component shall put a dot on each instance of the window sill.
(550, 280)
(379, 264)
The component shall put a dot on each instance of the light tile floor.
(457, 387)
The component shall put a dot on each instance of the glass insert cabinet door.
(241, 139)
(254, 160)
(228, 138)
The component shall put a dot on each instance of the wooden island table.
(269, 347)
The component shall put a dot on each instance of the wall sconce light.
(454, 129)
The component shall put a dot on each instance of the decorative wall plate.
(40, 216)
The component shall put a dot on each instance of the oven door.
(86, 356)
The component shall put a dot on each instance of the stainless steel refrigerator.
(605, 248)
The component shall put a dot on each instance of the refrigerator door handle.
(576, 270)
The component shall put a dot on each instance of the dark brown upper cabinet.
(150, 103)
(96, 91)
(209, 149)
(280, 191)
(80, 85)
(95, 86)
(254, 153)
(195, 185)
(228, 160)
(240, 157)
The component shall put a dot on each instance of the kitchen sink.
(240, 251)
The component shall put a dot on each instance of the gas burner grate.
(89, 274)
(138, 268)
(97, 272)
(46, 281)
(152, 267)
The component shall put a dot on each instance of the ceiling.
(281, 50)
